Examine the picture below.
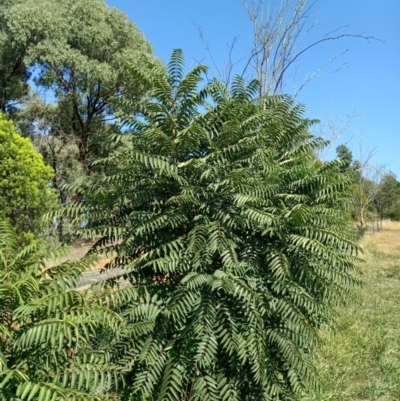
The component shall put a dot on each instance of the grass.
(360, 359)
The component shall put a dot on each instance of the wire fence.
(376, 225)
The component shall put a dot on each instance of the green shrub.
(234, 237)
(25, 191)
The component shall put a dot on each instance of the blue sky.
(369, 86)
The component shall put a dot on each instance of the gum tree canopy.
(81, 50)
(79, 54)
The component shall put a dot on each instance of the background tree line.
(376, 192)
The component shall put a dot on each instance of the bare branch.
(318, 73)
(334, 129)
(224, 74)
(207, 45)
(344, 35)
(279, 27)
(278, 30)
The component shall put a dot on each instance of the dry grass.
(360, 360)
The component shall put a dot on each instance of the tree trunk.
(361, 217)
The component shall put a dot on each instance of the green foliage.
(79, 53)
(387, 199)
(13, 72)
(234, 238)
(25, 191)
(48, 331)
(82, 53)
(344, 154)
(394, 211)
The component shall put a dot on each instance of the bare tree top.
(281, 29)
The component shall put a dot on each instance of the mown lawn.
(360, 359)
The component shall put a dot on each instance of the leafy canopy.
(232, 234)
(80, 54)
(14, 73)
(387, 198)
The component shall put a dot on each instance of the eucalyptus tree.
(78, 54)
(14, 73)
(232, 235)
(82, 53)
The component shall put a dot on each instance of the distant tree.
(344, 154)
(366, 177)
(234, 237)
(364, 194)
(25, 191)
(394, 211)
(388, 194)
